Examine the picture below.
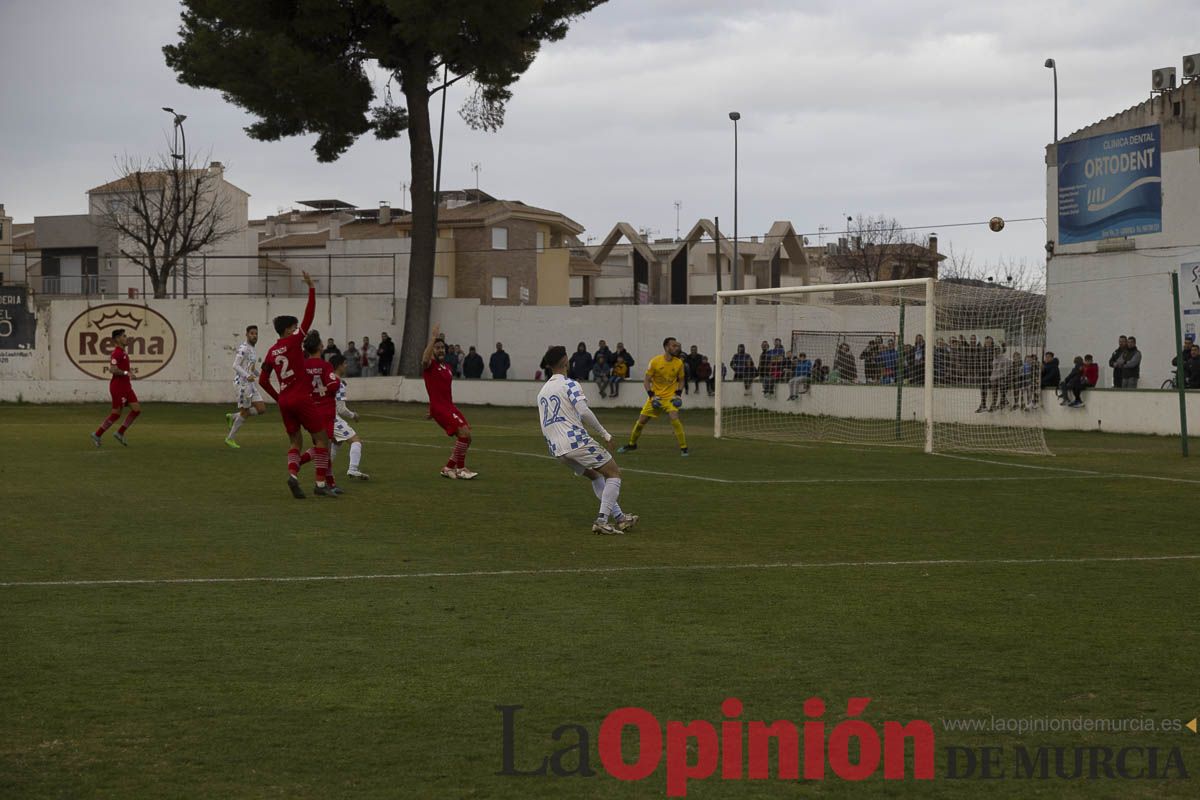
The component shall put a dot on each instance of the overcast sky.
(931, 112)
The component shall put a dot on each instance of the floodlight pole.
(1053, 65)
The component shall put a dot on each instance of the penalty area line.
(501, 573)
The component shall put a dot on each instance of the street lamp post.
(181, 189)
(1051, 65)
(737, 267)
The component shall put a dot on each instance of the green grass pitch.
(760, 571)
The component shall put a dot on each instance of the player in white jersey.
(245, 383)
(563, 412)
(342, 432)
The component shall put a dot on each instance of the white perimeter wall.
(208, 335)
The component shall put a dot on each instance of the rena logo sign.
(89, 342)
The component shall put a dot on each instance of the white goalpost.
(909, 363)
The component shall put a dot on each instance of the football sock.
(321, 460)
(612, 488)
(293, 462)
(130, 418)
(677, 424)
(306, 456)
(598, 489)
(238, 419)
(460, 453)
(108, 423)
(333, 451)
(355, 455)
(638, 427)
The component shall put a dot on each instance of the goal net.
(916, 363)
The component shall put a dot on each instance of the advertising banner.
(1110, 185)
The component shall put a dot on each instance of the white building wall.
(1094, 297)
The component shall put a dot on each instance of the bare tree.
(163, 211)
(879, 249)
(1010, 273)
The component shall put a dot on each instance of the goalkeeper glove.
(677, 401)
(655, 403)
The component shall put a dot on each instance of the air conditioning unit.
(1163, 79)
(1191, 66)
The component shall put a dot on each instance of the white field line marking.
(432, 424)
(1078, 471)
(500, 573)
(788, 481)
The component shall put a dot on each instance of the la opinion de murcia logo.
(89, 343)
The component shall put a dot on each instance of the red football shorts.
(450, 419)
(299, 412)
(121, 395)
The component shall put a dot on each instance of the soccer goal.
(911, 363)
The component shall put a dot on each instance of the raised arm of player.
(427, 356)
(264, 380)
(310, 309)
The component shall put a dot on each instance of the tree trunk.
(418, 305)
(158, 283)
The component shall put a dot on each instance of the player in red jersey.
(285, 360)
(324, 383)
(120, 388)
(438, 378)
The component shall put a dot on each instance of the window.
(541, 242)
(499, 238)
(441, 286)
(499, 288)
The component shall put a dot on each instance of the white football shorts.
(248, 394)
(590, 456)
(342, 430)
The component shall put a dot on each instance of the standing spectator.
(1016, 380)
(472, 365)
(619, 374)
(370, 358)
(1030, 378)
(801, 375)
(499, 363)
(743, 367)
(1131, 365)
(870, 359)
(353, 361)
(602, 350)
(1117, 362)
(999, 378)
(692, 361)
(602, 372)
(820, 372)
(1091, 372)
(844, 364)
(941, 361)
(386, 352)
(982, 372)
(1074, 383)
(581, 363)
(452, 360)
(704, 372)
(624, 355)
(330, 350)
(777, 350)
(1192, 368)
(887, 360)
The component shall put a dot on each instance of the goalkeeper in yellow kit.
(664, 389)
